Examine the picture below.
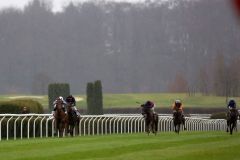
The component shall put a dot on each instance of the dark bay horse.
(60, 118)
(232, 120)
(151, 121)
(177, 121)
(72, 119)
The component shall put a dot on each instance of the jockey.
(71, 100)
(178, 107)
(147, 106)
(60, 98)
(232, 106)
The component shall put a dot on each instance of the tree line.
(143, 47)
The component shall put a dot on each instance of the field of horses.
(162, 100)
(165, 146)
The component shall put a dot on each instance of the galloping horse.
(177, 121)
(151, 121)
(72, 119)
(232, 120)
(60, 118)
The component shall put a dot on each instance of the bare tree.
(179, 84)
(203, 81)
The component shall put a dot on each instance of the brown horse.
(151, 120)
(177, 121)
(71, 119)
(232, 117)
(60, 118)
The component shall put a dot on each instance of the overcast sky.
(57, 4)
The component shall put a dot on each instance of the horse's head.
(59, 104)
(177, 116)
(69, 107)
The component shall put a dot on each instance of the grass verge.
(164, 146)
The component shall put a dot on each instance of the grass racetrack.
(165, 146)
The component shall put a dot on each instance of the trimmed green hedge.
(55, 90)
(94, 98)
(16, 106)
(219, 115)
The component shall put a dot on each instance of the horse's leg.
(66, 127)
(156, 124)
(183, 122)
(231, 127)
(71, 129)
(227, 126)
(60, 129)
(152, 126)
(236, 125)
(147, 128)
(178, 127)
(55, 127)
(174, 127)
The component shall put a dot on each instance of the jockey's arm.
(54, 102)
(74, 102)
(181, 108)
(64, 102)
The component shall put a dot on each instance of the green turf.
(164, 146)
(162, 100)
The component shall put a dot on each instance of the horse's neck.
(178, 114)
(149, 114)
(60, 110)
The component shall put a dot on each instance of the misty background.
(175, 46)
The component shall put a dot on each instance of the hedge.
(94, 98)
(55, 90)
(219, 115)
(16, 106)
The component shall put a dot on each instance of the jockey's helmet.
(177, 101)
(60, 97)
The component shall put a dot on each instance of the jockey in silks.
(178, 107)
(147, 106)
(71, 100)
(63, 104)
(231, 107)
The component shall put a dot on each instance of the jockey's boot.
(78, 114)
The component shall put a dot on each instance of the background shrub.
(94, 98)
(219, 115)
(55, 90)
(16, 106)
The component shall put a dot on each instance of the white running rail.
(19, 126)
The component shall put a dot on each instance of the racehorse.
(151, 121)
(232, 120)
(177, 121)
(71, 119)
(60, 118)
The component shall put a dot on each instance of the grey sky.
(57, 4)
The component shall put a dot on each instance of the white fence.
(13, 126)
